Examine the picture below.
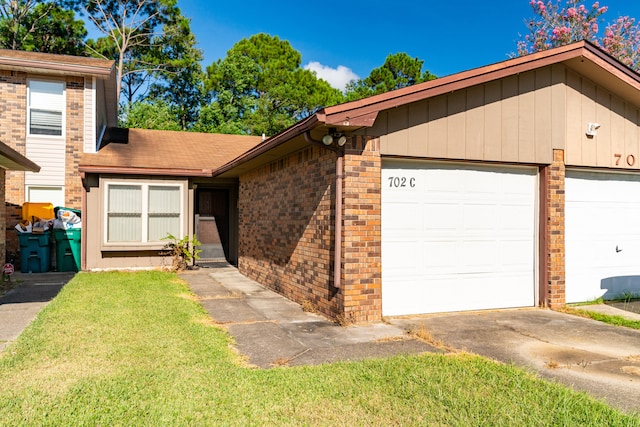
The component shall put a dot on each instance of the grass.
(605, 318)
(136, 349)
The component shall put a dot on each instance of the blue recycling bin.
(35, 252)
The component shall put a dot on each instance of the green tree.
(259, 87)
(40, 26)
(399, 70)
(152, 114)
(132, 32)
(181, 85)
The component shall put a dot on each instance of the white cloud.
(336, 77)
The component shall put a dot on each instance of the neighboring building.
(144, 184)
(512, 185)
(55, 107)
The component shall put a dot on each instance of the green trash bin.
(35, 252)
(68, 249)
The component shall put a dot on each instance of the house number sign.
(620, 160)
(401, 182)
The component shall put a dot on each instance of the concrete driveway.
(270, 330)
(587, 355)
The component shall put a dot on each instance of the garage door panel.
(477, 238)
(397, 210)
(444, 294)
(440, 256)
(404, 257)
(602, 237)
(441, 216)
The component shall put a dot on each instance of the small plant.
(183, 251)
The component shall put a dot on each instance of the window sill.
(132, 247)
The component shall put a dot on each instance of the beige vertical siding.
(506, 120)
(518, 119)
(616, 144)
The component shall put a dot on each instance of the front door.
(212, 223)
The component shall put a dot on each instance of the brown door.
(212, 224)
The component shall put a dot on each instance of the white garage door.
(602, 235)
(457, 237)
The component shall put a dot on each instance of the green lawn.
(136, 349)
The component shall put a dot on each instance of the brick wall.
(3, 218)
(75, 141)
(287, 232)
(362, 273)
(13, 128)
(555, 216)
(286, 228)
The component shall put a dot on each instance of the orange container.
(39, 210)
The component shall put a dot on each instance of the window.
(142, 213)
(46, 107)
(48, 194)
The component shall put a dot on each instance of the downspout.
(337, 261)
(337, 252)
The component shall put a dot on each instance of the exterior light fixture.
(327, 139)
(342, 140)
(592, 129)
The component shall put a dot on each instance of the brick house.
(511, 185)
(55, 107)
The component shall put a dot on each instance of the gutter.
(146, 171)
(29, 64)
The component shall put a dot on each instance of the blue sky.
(343, 39)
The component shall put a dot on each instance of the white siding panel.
(90, 145)
(49, 154)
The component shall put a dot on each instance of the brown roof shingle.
(158, 152)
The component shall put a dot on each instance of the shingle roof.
(156, 152)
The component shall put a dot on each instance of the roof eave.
(17, 161)
(44, 67)
(118, 170)
(276, 140)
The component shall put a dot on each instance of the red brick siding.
(286, 228)
(13, 128)
(3, 218)
(75, 141)
(555, 248)
(362, 274)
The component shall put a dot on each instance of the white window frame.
(144, 242)
(63, 110)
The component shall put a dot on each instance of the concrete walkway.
(20, 305)
(270, 330)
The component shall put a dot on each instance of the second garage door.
(602, 235)
(457, 237)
